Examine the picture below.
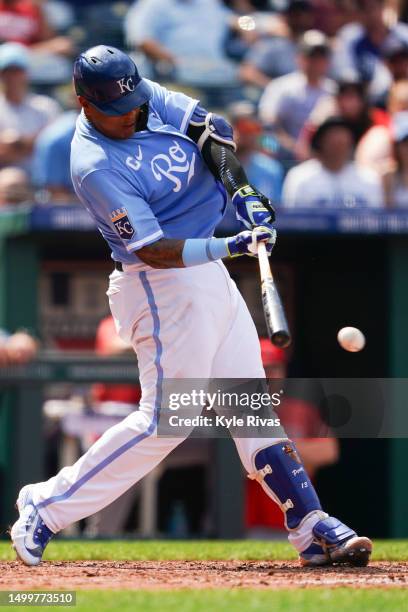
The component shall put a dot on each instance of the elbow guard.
(204, 125)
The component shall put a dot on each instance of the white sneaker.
(29, 534)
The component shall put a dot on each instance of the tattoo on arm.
(165, 253)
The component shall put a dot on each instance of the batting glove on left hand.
(246, 242)
(252, 207)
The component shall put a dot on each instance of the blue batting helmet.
(109, 80)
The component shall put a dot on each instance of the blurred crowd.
(317, 90)
(17, 349)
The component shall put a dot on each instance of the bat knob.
(281, 339)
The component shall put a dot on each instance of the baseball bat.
(275, 318)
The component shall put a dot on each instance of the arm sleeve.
(214, 137)
(112, 197)
(224, 165)
(174, 107)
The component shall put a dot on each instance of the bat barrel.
(274, 315)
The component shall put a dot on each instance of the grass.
(295, 600)
(219, 600)
(200, 550)
(247, 601)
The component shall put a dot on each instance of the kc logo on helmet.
(122, 223)
(126, 84)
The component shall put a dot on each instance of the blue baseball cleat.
(336, 543)
(29, 534)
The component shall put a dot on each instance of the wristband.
(197, 251)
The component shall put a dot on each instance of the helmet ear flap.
(143, 117)
(78, 88)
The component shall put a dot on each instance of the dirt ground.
(196, 574)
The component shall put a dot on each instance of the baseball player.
(153, 169)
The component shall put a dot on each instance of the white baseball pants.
(182, 323)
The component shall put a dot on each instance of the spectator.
(375, 149)
(23, 114)
(331, 15)
(395, 55)
(25, 22)
(247, 6)
(51, 163)
(184, 40)
(14, 186)
(275, 56)
(263, 171)
(332, 180)
(351, 103)
(396, 179)
(288, 101)
(361, 49)
(17, 349)
(402, 8)
(315, 446)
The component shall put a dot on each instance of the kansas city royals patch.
(122, 223)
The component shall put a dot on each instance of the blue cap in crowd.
(13, 55)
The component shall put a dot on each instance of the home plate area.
(167, 575)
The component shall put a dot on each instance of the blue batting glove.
(246, 242)
(252, 207)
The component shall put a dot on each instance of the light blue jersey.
(152, 185)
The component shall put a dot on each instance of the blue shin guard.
(281, 473)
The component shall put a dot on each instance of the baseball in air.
(351, 339)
